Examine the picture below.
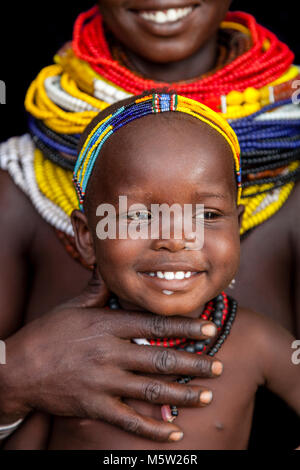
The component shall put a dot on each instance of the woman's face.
(163, 31)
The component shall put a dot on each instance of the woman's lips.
(165, 16)
(165, 22)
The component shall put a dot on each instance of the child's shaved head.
(111, 120)
(169, 158)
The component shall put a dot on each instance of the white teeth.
(167, 16)
(171, 14)
(168, 292)
(179, 275)
(170, 275)
(161, 17)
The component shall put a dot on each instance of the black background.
(31, 33)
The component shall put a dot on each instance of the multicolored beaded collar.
(143, 106)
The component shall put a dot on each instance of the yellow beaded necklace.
(56, 184)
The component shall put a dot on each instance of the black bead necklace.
(221, 311)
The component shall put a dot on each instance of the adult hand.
(78, 361)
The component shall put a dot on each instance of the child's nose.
(173, 235)
(170, 244)
(174, 244)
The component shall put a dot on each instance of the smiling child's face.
(169, 158)
(167, 30)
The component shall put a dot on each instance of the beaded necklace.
(265, 62)
(17, 156)
(233, 40)
(222, 312)
(66, 96)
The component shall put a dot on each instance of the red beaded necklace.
(211, 308)
(266, 61)
(221, 311)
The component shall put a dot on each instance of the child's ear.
(83, 238)
(241, 210)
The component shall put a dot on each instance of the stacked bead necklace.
(254, 71)
(265, 62)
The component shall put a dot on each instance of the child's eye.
(210, 215)
(207, 215)
(139, 216)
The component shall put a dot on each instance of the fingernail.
(217, 368)
(176, 436)
(209, 330)
(206, 397)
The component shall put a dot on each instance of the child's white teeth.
(166, 16)
(179, 275)
(170, 276)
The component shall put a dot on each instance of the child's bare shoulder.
(258, 326)
(263, 339)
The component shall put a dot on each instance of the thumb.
(95, 294)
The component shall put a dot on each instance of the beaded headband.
(151, 104)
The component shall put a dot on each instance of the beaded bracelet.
(7, 430)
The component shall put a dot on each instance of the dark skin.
(31, 284)
(123, 264)
(186, 48)
(110, 180)
(37, 346)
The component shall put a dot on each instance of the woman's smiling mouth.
(170, 15)
(166, 21)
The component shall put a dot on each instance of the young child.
(126, 151)
(36, 271)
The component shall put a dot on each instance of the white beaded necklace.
(287, 112)
(63, 99)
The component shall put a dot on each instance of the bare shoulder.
(254, 324)
(17, 214)
(261, 334)
(293, 212)
(294, 198)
